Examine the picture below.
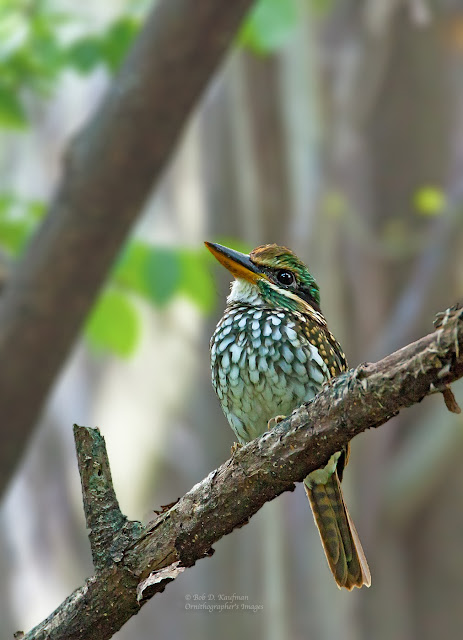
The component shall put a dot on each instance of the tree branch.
(351, 403)
(109, 531)
(109, 171)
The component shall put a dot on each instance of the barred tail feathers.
(339, 537)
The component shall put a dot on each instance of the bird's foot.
(236, 446)
(274, 421)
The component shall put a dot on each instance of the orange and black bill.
(239, 264)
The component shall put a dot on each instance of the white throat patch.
(244, 291)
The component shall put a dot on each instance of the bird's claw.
(274, 421)
(236, 446)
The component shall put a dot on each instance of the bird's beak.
(239, 264)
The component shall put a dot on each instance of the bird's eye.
(286, 278)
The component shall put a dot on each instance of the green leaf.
(85, 54)
(163, 275)
(109, 47)
(18, 220)
(12, 114)
(153, 272)
(118, 39)
(196, 281)
(113, 324)
(131, 266)
(269, 25)
(13, 235)
(429, 201)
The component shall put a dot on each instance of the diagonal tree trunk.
(108, 172)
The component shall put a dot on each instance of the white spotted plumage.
(261, 368)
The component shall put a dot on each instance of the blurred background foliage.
(38, 43)
(335, 127)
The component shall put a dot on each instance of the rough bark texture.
(109, 171)
(109, 531)
(358, 400)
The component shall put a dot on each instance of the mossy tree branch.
(134, 563)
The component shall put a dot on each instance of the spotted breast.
(264, 365)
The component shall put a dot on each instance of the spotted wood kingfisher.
(270, 352)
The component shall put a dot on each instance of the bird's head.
(271, 276)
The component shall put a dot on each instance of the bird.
(270, 352)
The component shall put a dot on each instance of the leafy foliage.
(34, 50)
(113, 324)
(269, 25)
(159, 274)
(18, 219)
(154, 273)
(108, 48)
(196, 282)
(12, 114)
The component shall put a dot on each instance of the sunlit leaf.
(18, 221)
(163, 274)
(196, 280)
(113, 324)
(13, 235)
(153, 272)
(13, 31)
(85, 54)
(34, 51)
(269, 25)
(47, 55)
(131, 266)
(12, 114)
(429, 201)
(108, 48)
(118, 40)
